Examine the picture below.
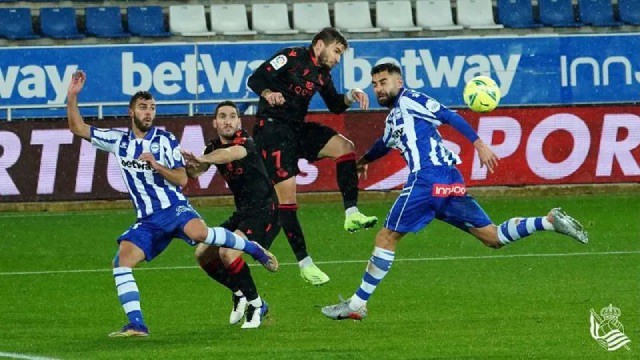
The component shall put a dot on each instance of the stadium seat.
(557, 13)
(629, 11)
(597, 13)
(516, 14)
(353, 16)
(104, 22)
(59, 23)
(188, 20)
(271, 19)
(476, 14)
(16, 24)
(435, 15)
(395, 16)
(146, 21)
(230, 19)
(311, 17)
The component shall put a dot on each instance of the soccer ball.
(481, 94)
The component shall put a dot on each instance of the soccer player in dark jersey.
(255, 218)
(286, 82)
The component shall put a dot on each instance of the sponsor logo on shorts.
(445, 190)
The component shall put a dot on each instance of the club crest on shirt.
(177, 156)
(278, 61)
(155, 148)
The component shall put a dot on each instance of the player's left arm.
(177, 176)
(487, 157)
(339, 103)
(224, 155)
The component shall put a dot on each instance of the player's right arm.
(76, 123)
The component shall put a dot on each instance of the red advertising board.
(43, 161)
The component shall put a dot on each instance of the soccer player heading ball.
(435, 188)
(286, 82)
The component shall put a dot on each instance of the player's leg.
(135, 245)
(338, 147)
(197, 230)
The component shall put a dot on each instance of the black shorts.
(281, 145)
(259, 226)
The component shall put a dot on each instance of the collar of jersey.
(148, 136)
(397, 99)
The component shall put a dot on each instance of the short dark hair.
(144, 95)
(389, 67)
(226, 103)
(329, 35)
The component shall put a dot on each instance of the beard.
(388, 100)
(140, 125)
(323, 59)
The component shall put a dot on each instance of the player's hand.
(148, 157)
(189, 158)
(274, 98)
(487, 157)
(361, 97)
(77, 82)
(362, 168)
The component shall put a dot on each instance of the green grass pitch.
(446, 296)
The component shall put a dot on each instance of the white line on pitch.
(23, 356)
(443, 258)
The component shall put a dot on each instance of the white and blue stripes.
(128, 294)
(148, 190)
(411, 128)
(220, 236)
(518, 228)
(378, 266)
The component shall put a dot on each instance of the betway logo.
(169, 78)
(135, 164)
(420, 64)
(33, 81)
(445, 190)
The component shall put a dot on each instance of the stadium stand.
(476, 14)
(59, 23)
(188, 20)
(516, 14)
(353, 17)
(16, 24)
(105, 22)
(629, 11)
(395, 16)
(146, 21)
(271, 19)
(230, 19)
(557, 13)
(597, 13)
(435, 15)
(311, 17)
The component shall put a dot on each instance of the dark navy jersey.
(247, 177)
(296, 73)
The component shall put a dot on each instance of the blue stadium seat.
(597, 13)
(147, 21)
(629, 11)
(15, 24)
(516, 14)
(59, 23)
(104, 22)
(558, 13)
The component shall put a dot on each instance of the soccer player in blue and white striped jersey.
(435, 188)
(153, 169)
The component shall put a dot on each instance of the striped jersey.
(149, 191)
(411, 128)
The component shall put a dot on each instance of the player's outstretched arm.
(76, 123)
(224, 155)
(357, 95)
(487, 157)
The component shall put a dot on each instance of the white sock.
(306, 262)
(238, 293)
(351, 210)
(257, 302)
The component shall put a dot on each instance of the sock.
(241, 278)
(128, 294)
(347, 176)
(377, 268)
(306, 262)
(351, 210)
(257, 302)
(222, 237)
(288, 214)
(518, 228)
